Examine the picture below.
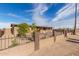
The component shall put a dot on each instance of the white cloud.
(64, 8)
(43, 9)
(16, 17)
(66, 11)
(10, 15)
(60, 19)
(31, 10)
(37, 14)
(13, 15)
(66, 23)
(5, 24)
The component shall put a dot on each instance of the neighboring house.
(11, 32)
(1, 32)
(5, 33)
(42, 29)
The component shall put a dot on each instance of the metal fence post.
(36, 40)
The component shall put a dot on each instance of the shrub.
(14, 43)
(33, 26)
(23, 29)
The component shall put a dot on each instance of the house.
(42, 29)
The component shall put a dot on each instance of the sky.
(57, 15)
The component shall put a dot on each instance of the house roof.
(46, 27)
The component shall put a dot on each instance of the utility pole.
(74, 31)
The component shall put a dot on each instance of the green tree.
(23, 29)
(33, 26)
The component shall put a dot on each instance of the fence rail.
(13, 41)
(8, 42)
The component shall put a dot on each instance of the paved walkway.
(47, 48)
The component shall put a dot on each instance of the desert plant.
(23, 29)
(14, 43)
(33, 26)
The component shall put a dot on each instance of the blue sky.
(57, 15)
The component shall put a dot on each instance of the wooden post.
(54, 34)
(36, 40)
(5, 42)
(65, 33)
(8, 40)
(72, 32)
(75, 21)
(0, 43)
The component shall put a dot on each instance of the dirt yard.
(62, 47)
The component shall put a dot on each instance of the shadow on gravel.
(73, 40)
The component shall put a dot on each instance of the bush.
(23, 29)
(33, 26)
(14, 43)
